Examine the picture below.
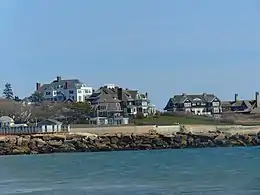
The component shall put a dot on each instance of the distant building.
(6, 121)
(200, 104)
(61, 90)
(113, 101)
(109, 121)
(51, 125)
(242, 106)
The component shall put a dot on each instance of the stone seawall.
(40, 144)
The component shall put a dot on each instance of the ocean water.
(223, 171)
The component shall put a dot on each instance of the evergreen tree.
(8, 91)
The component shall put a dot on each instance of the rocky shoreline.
(55, 143)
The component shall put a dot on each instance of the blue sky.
(163, 47)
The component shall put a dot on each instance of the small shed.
(118, 121)
(6, 121)
(98, 121)
(50, 125)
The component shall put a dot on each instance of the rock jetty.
(54, 143)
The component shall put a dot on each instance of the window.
(215, 103)
(72, 97)
(187, 104)
(80, 98)
(216, 110)
(79, 91)
(71, 92)
(47, 93)
(144, 103)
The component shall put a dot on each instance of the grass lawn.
(170, 120)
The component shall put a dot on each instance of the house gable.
(169, 105)
(215, 100)
(187, 101)
(49, 122)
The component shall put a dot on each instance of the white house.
(6, 121)
(62, 90)
(51, 125)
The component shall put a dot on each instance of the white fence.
(31, 130)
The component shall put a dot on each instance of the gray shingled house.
(198, 104)
(110, 101)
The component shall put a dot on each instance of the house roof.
(6, 119)
(193, 98)
(111, 95)
(249, 103)
(49, 122)
(108, 97)
(61, 83)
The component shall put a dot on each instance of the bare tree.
(17, 110)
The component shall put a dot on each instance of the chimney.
(257, 99)
(146, 95)
(58, 78)
(236, 97)
(120, 93)
(38, 85)
(184, 94)
(66, 85)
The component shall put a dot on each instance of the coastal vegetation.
(171, 120)
(78, 113)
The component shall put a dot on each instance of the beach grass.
(170, 120)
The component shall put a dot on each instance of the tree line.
(9, 94)
(13, 106)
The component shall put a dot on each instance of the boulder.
(144, 147)
(3, 140)
(104, 139)
(126, 138)
(58, 137)
(36, 142)
(54, 143)
(68, 148)
(21, 150)
(114, 139)
(12, 140)
(21, 141)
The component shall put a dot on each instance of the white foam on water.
(116, 186)
(27, 190)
